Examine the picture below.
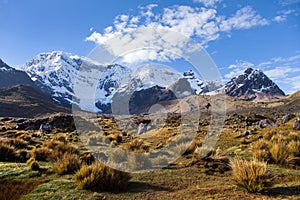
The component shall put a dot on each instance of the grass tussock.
(277, 148)
(67, 164)
(7, 152)
(253, 176)
(99, 177)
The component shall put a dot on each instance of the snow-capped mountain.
(10, 76)
(252, 84)
(72, 79)
(56, 72)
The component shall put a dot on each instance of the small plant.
(7, 152)
(139, 161)
(253, 176)
(67, 164)
(100, 177)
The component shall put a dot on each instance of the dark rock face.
(252, 84)
(10, 76)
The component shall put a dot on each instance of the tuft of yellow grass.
(253, 176)
(100, 177)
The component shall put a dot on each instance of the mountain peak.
(252, 84)
(249, 70)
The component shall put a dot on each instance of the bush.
(100, 177)
(7, 152)
(253, 176)
(67, 164)
(139, 161)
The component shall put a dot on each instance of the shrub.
(100, 177)
(252, 176)
(7, 152)
(67, 164)
(139, 161)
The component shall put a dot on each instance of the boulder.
(287, 118)
(266, 122)
(296, 125)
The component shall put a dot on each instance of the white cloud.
(238, 68)
(280, 18)
(172, 28)
(283, 15)
(208, 3)
(244, 18)
(280, 72)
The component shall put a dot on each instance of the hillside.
(26, 101)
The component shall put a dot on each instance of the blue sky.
(237, 34)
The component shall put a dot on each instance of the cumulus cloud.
(171, 29)
(244, 18)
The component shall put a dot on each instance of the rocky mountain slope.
(253, 84)
(10, 76)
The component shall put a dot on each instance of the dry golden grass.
(100, 177)
(253, 176)
(67, 164)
